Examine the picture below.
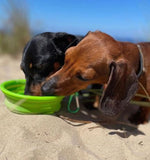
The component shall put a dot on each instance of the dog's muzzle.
(48, 88)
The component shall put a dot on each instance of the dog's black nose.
(46, 91)
(48, 88)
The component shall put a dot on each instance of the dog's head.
(98, 58)
(42, 56)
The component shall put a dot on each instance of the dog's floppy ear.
(63, 41)
(121, 87)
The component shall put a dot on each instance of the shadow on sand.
(121, 126)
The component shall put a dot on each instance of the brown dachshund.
(100, 59)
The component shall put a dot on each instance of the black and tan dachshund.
(43, 55)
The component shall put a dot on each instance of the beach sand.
(49, 137)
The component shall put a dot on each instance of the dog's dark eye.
(81, 78)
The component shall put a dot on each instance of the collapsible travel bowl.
(17, 102)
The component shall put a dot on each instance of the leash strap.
(77, 103)
(141, 68)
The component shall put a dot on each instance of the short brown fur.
(99, 58)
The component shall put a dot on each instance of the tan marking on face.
(30, 65)
(36, 90)
(56, 66)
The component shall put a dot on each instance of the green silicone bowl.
(17, 102)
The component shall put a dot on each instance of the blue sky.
(119, 18)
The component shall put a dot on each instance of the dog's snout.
(49, 87)
(46, 91)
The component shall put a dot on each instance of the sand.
(48, 137)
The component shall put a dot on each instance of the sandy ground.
(47, 137)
